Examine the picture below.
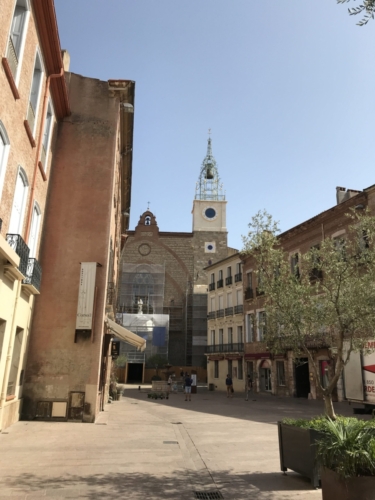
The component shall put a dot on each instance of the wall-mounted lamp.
(127, 107)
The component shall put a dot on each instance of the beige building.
(33, 97)
(225, 341)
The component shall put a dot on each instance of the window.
(36, 86)
(4, 152)
(230, 335)
(239, 334)
(238, 268)
(240, 369)
(147, 220)
(229, 272)
(220, 275)
(221, 336)
(280, 369)
(14, 367)
(221, 302)
(294, 265)
(212, 304)
(249, 280)
(19, 203)
(250, 327)
(46, 137)
(216, 375)
(212, 337)
(34, 231)
(229, 300)
(239, 296)
(17, 37)
(212, 277)
(230, 367)
(261, 325)
(339, 244)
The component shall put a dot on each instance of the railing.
(31, 117)
(238, 309)
(228, 280)
(259, 292)
(12, 58)
(249, 293)
(233, 347)
(111, 294)
(220, 284)
(237, 277)
(211, 286)
(211, 315)
(229, 311)
(220, 313)
(22, 250)
(33, 274)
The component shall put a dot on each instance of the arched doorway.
(265, 382)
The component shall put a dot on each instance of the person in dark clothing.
(188, 382)
(229, 384)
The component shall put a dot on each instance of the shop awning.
(126, 335)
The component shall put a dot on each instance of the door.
(135, 373)
(34, 231)
(265, 380)
(302, 378)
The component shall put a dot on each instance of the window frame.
(5, 154)
(20, 173)
(216, 369)
(261, 326)
(38, 60)
(49, 136)
(27, 7)
(281, 378)
(250, 327)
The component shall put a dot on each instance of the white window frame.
(4, 156)
(34, 246)
(229, 299)
(38, 60)
(221, 302)
(26, 5)
(239, 296)
(49, 135)
(20, 173)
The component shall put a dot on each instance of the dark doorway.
(302, 378)
(135, 372)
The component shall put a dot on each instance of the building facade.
(33, 98)
(225, 339)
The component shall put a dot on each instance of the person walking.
(249, 386)
(188, 382)
(169, 383)
(229, 384)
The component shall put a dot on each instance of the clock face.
(210, 213)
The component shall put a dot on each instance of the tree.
(367, 9)
(328, 299)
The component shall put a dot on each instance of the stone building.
(183, 257)
(225, 342)
(283, 374)
(33, 98)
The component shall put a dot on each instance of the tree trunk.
(328, 405)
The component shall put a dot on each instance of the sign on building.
(86, 295)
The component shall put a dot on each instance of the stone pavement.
(158, 450)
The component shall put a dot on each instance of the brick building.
(33, 97)
(280, 374)
(184, 258)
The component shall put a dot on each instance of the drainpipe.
(39, 146)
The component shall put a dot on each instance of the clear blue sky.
(287, 88)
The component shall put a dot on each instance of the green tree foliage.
(156, 361)
(328, 299)
(366, 9)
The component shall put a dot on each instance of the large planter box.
(353, 488)
(298, 451)
(159, 385)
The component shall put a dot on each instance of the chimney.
(343, 194)
(66, 59)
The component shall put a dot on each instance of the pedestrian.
(249, 386)
(169, 383)
(229, 384)
(188, 382)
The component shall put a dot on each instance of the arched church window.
(147, 220)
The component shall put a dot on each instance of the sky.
(286, 88)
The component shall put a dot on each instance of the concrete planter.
(352, 488)
(298, 451)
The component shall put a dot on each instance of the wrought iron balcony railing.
(12, 58)
(220, 284)
(33, 274)
(211, 286)
(232, 347)
(238, 309)
(211, 315)
(16, 242)
(229, 311)
(228, 280)
(237, 277)
(249, 293)
(220, 313)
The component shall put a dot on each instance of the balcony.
(220, 284)
(211, 287)
(259, 292)
(17, 244)
(233, 347)
(237, 277)
(228, 280)
(229, 311)
(238, 309)
(33, 277)
(249, 293)
(220, 313)
(211, 315)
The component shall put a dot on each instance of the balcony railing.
(33, 274)
(249, 293)
(237, 277)
(211, 315)
(12, 58)
(233, 347)
(31, 117)
(220, 284)
(220, 313)
(238, 309)
(259, 292)
(228, 280)
(211, 286)
(16, 242)
(229, 311)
